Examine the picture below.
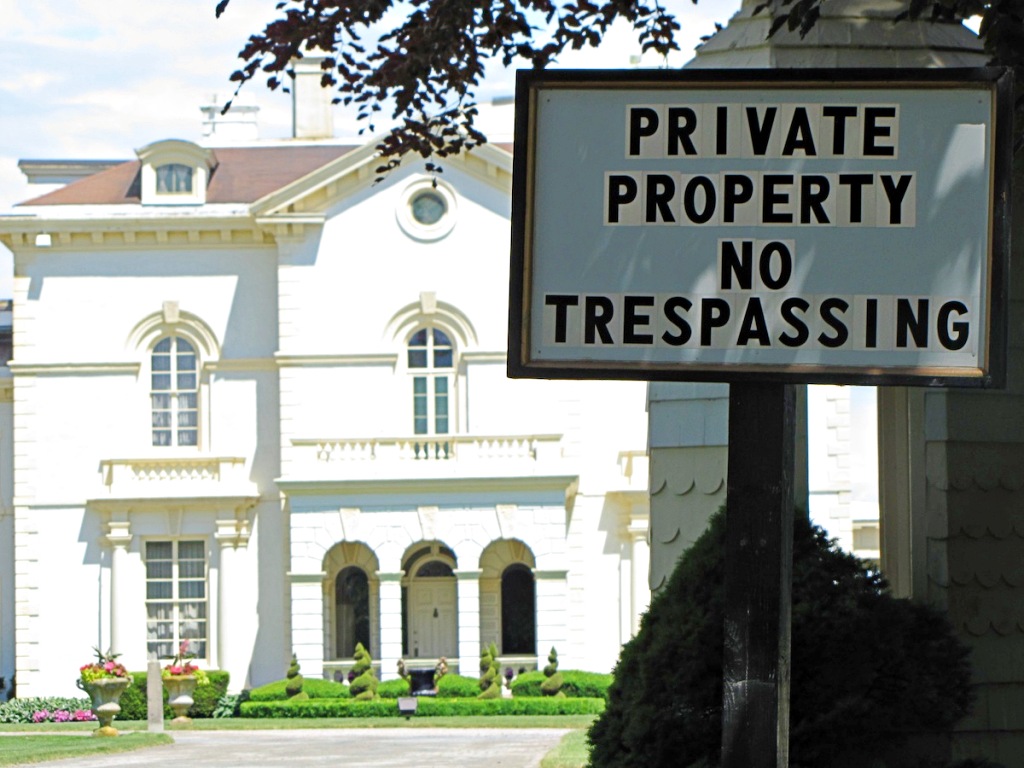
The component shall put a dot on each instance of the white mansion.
(258, 401)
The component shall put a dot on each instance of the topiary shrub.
(868, 670)
(364, 684)
(293, 685)
(552, 686)
(490, 677)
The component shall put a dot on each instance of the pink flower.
(109, 666)
(41, 716)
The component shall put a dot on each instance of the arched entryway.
(508, 597)
(352, 611)
(351, 601)
(518, 610)
(429, 602)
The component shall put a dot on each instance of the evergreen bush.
(576, 684)
(490, 676)
(868, 670)
(364, 684)
(134, 704)
(393, 689)
(552, 686)
(315, 689)
(457, 687)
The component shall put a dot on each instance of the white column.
(469, 620)
(552, 613)
(641, 565)
(307, 592)
(390, 623)
(231, 535)
(119, 537)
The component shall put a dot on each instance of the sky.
(101, 78)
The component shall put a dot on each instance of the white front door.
(433, 618)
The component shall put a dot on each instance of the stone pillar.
(231, 535)
(468, 585)
(307, 591)
(552, 611)
(119, 537)
(640, 564)
(390, 623)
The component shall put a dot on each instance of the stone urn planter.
(179, 696)
(105, 694)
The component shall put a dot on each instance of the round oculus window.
(428, 208)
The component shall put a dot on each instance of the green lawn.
(19, 750)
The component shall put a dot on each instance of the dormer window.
(175, 172)
(173, 179)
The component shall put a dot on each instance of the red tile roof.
(242, 175)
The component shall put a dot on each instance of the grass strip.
(572, 751)
(17, 749)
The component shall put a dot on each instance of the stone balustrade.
(424, 448)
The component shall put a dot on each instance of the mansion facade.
(257, 400)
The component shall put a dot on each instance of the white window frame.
(168, 646)
(430, 374)
(174, 393)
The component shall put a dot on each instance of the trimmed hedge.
(392, 689)
(133, 700)
(316, 689)
(457, 687)
(576, 684)
(428, 707)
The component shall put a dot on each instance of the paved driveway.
(349, 747)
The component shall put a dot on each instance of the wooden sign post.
(758, 576)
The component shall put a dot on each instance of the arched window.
(352, 611)
(431, 359)
(174, 392)
(518, 614)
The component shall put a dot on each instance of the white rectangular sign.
(826, 226)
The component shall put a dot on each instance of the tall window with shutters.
(174, 393)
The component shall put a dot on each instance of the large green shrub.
(393, 689)
(576, 684)
(428, 706)
(364, 684)
(868, 670)
(205, 697)
(314, 688)
(457, 687)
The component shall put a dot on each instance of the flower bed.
(45, 709)
(428, 707)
